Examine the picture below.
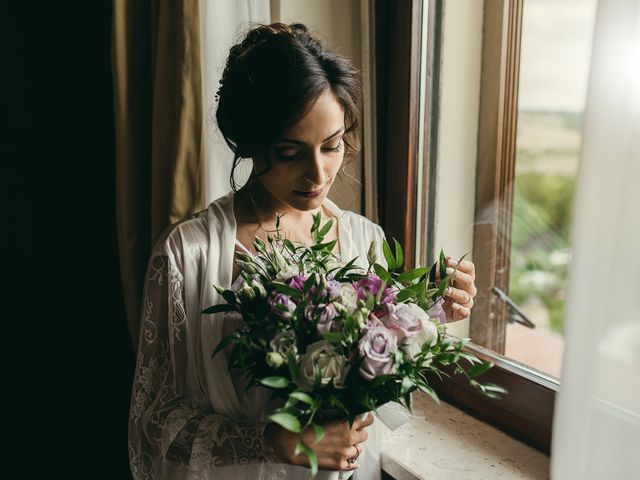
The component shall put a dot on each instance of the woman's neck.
(256, 205)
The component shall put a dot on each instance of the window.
(554, 62)
(412, 99)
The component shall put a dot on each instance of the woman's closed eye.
(337, 148)
(289, 154)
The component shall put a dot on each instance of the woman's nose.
(315, 172)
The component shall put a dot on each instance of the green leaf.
(405, 294)
(407, 385)
(472, 359)
(333, 337)
(286, 421)
(223, 343)
(325, 229)
(429, 391)
(319, 433)
(399, 256)
(479, 369)
(286, 289)
(313, 459)
(443, 266)
(411, 275)
(224, 307)
(321, 246)
(274, 382)
(289, 245)
(303, 397)
(444, 284)
(293, 365)
(381, 272)
(229, 297)
(492, 387)
(388, 256)
(346, 268)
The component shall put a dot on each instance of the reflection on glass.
(554, 62)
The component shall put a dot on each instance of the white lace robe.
(188, 418)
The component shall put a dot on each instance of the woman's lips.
(310, 194)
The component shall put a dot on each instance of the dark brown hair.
(271, 79)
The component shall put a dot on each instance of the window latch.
(515, 313)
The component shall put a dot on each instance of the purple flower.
(371, 286)
(404, 318)
(282, 305)
(325, 313)
(436, 311)
(297, 282)
(333, 289)
(377, 348)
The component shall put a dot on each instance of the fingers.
(363, 423)
(459, 296)
(464, 266)
(349, 457)
(462, 280)
(455, 311)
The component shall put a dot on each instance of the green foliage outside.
(540, 241)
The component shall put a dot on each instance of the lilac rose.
(405, 319)
(325, 313)
(371, 285)
(284, 343)
(377, 348)
(282, 305)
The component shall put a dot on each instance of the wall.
(337, 22)
(458, 131)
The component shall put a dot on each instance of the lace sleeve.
(170, 434)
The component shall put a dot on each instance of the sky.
(554, 60)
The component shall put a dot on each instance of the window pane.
(556, 46)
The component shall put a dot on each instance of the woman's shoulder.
(191, 236)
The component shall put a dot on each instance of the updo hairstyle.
(271, 79)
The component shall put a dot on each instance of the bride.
(291, 106)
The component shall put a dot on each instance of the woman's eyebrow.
(298, 142)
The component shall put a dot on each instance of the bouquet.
(334, 340)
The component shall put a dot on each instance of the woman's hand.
(340, 443)
(462, 289)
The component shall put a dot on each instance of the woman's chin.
(306, 202)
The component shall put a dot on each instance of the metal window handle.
(515, 313)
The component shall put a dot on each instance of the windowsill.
(442, 442)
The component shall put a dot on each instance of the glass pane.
(556, 47)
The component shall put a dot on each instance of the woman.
(290, 106)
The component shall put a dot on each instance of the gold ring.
(353, 459)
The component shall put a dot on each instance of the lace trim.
(167, 431)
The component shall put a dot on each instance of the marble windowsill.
(444, 443)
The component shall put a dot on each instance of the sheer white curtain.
(222, 23)
(597, 423)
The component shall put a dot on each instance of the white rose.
(348, 297)
(427, 336)
(283, 343)
(332, 366)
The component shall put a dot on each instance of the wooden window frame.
(526, 412)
